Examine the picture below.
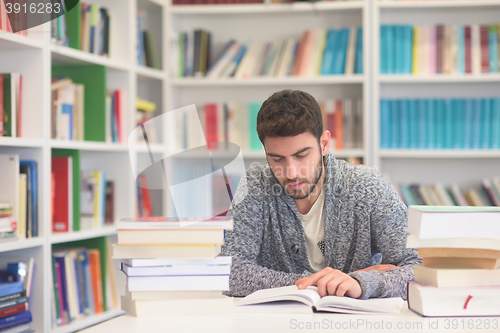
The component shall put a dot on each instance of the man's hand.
(382, 268)
(331, 282)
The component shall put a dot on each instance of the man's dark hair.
(289, 113)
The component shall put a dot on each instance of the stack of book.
(488, 194)
(459, 274)
(8, 224)
(317, 52)
(10, 104)
(145, 112)
(441, 49)
(443, 123)
(16, 285)
(170, 261)
(84, 282)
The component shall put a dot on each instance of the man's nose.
(291, 170)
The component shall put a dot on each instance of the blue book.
(404, 124)
(493, 47)
(103, 198)
(87, 282)
(395, 124)
(329, 53)
(407, 49)
(68, 109)
(10, 288)
(422, 123)
(468, 120)
(341, 52)
(63, 286)
(486, 123)
(384, 124)
(413, 123)
(384, 48)
(79, 291)
(476, 124)
(461, 50)
(408, 196)
(391, 49)
(495, 124)
(399, 41)
(430, 105)
(449, 122)
(32, 169)
(459, 123)
(440, 123)
(140, 42)
(358, 65)
(15, 320)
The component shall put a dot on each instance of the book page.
(308, 296)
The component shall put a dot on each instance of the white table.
(406, 321)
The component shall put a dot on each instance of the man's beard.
(297, 196)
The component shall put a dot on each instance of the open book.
(291, 299)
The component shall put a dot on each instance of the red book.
(19, 105)
(339, 124)
(439, 49)
(485, 52)
(118, 95)
(147, 210)
(62, 169)
(96, 277)
(211, 123)
(1, 102)
(468, 49)
(300, 53)
(14, 310)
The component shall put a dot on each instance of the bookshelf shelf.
(9, 40)
(439, 154)
(62, 55)
(21, 244)
(434, 4)
(298, 7)
(89, 145)
(150, 73)
(89, 321)
(79, 235)
(21, 142)
(269, 81)
(445, 78)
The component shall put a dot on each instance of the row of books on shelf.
(86, 27)
(16, 288)
(19, 196)
(13, 20)
(146, 50)
(440, 123)
(94, 198)
(236, 122)
(488, 194)
(10, 104)
(317, 52)
(440, 49)
(68, 111)
(169, 262)
(84, 282)
(460, 251)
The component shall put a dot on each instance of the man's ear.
(324, 142)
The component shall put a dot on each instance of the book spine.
(10, 288)
(13, 310)
(15, 320)
(468, 49)
(439, 49)
(485, 55)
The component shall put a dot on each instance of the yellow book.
(143, 105)
(21, 220)
(414, 67)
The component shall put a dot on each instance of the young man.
(310, 219)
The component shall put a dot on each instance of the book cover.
(485, 52)
(63, 194)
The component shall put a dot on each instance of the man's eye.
(277, 160)
(301, 156)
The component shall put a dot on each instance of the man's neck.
(305, 205)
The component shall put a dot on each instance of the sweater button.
(295, 248)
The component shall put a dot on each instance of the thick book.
(166, 251)
(461, 262)
(291, 299)
(172, 295)
(456, 277)
(165, 223)
(173, 261)
(462, 243)
(457, 301)
(178, 270)
(14, 320)
(453, 222)
(181, 236)
(171, 283)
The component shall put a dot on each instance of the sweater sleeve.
(243, 243)
(389, 228)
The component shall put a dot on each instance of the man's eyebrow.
(294, 154)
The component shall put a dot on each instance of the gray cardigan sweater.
(365, 224)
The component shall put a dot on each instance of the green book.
(73, 24)
(93, 77)
(56, 296)
(253, 110)
(75, 154)
(7, 105)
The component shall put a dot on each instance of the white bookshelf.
(465, 167)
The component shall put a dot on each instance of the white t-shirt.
(314, 229)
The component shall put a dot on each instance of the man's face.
(296, 162)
